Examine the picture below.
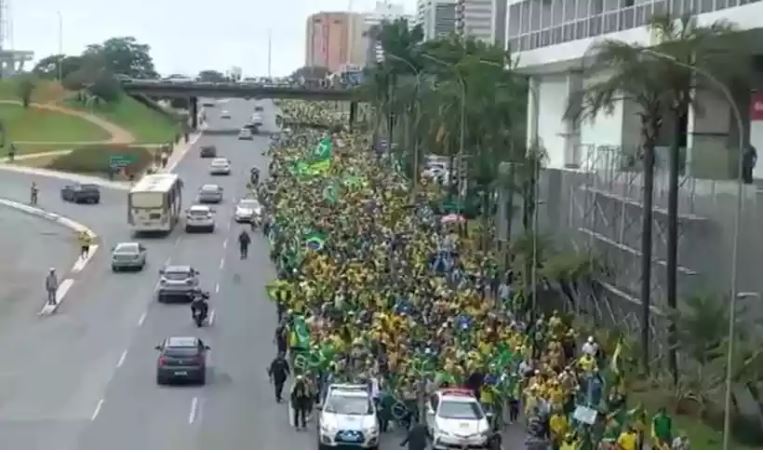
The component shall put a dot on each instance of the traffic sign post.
(120, 161)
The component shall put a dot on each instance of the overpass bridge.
(194, 90)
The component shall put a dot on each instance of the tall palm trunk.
(674, 176)
(650, 132)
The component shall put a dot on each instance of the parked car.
(455, 419)
(208, 151)
(177, 282)
(182, 359)
(348, 418)
(210, 193)
(128, 255)
(81, 193)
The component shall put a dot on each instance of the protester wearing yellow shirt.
(586, 363)
(628, 440)
(558, 427)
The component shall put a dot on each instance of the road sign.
(120, 161)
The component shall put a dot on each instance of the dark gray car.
(182, 359)
(210, 193)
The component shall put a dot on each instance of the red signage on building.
(755, 108)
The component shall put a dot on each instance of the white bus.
(154, 203)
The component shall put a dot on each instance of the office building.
(383, 12)
(475, 18)
(437, 17)
(334, 39)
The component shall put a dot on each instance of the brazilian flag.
(323, 150)
(330, 193)
(315, 240)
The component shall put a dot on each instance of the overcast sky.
(185, 36)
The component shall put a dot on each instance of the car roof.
(199, 207)
(178, 268)
(181, 342)
(210, 187)
(248, 200)
(127, 244)
(220, 159)
(454, 394)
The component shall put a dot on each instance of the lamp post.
(60, 43)
(534, 220)
(462, 108)
(415, 173)
(736, 222)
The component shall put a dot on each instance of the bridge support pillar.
(353, 113)
(193, 112)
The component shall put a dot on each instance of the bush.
(106, 87)
(95, 159)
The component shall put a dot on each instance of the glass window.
(596, 7)
(611, 22)
(569, 10)
(514, 22)
(595, 25)
(628, 19)
(732, 3)
(536, 15)
(707, 5)
(557, 36)
(720, 4)
(582, 9)
(568, 32)
(546, 37)
(642, 14)
(525, 8)
(524, 42)
(581, 29)
(557, 12)
(546, 13)
(659, 7)
(610, 5)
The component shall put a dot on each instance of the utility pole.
(269, 53)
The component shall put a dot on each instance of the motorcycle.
(199, 316)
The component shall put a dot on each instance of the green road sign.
(120, 161)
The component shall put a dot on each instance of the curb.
(82, 179)
(81, 262)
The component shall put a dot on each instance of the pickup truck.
(81, 193)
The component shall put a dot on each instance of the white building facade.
(437, 17)
(383, 12)
(550, 39)
(476, 18)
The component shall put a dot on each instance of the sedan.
(210, 193)
(81, 193)
(128, 255)
(225, 115)
(208, 151)
(182, 359)
(245, 134)
(220, 166)
(246, 209)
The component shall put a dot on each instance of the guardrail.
(230, 89)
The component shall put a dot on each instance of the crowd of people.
(373, 286)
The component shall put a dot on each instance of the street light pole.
(60, 43)
(736, 222)
(415, 173)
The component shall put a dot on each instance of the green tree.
(24, 89)
(311, 73)
(124, 55)
(48, 67)
(210, 75)
(106, 87)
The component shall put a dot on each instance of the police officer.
(277, 373)
(300, 398)
(417, 437)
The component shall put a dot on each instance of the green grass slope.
(40, 125)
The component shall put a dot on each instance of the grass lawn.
(146, 125)
(33, 124)
(45, 90)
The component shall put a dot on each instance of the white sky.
(185, 36)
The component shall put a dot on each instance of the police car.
(348, 418)
(456, 419)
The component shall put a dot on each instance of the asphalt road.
(89, 373)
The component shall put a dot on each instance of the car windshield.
(463, 410)
(198, 211)
(220, 162)
(348, 404)
(209, 188)
(249, 204)
(181, 352)
(126, 248)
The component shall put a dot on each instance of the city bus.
(154, 203)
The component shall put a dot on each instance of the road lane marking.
(217, 288)
(225, 244)
(167, 261)
(228, 228)
(63, 288)
(142, 319)
(82, 262)
(212, 317)
(222, 262)
(122, 358)
(98, 409)
(193, 412)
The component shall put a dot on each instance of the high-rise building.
(475, 18)
(383, 12)
(334, 39)
(499, 25)
(437, 17)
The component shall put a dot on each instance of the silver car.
(177, 281)
(128, 255)
(210, 193)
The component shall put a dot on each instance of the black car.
(81, 193)
(208, 151)
(182, 359)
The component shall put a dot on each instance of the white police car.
(456, 419)
(348, 418)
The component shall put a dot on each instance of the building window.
(557, 12)
(536, 15)
(546, 13)
(514, 22)
(569, 10)
(660, 8)
(628, 18)
(595, 25)
(707, 5)
(525, 10)
(581, 9)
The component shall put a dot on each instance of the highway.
(89, 370)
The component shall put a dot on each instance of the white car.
(456, 420)
(348, 418)
(220, 166)
(257, 119)
(246, 209)
(245, 134)
(128, 255)
(225, 115)
(200, 218)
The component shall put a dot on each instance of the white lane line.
(225, 244)
(222, 262)
(212, 317)
(98, 409)
(142, 319)
(217, 288)
(167, 261)
(228, 228)
(63, 288)
(82, 262)
(193, 411)
(122, 358)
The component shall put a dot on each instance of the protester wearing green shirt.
(661, 426)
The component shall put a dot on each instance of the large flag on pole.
(323, 150)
